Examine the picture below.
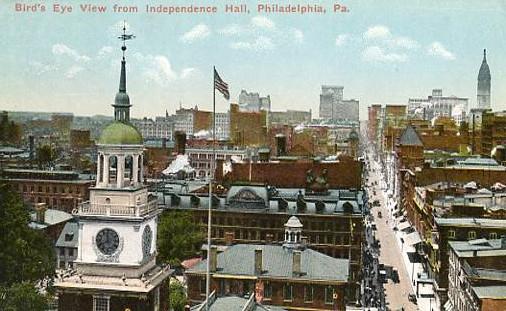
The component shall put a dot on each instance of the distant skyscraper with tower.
(483, 92)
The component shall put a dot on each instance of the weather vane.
(124, 37)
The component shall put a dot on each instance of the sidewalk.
(425, 299)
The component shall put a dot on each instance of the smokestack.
(296, 269)
(180, 144)
(31, 140)
(40, 212)
(280, 145)
(258, 261)
(213, 257)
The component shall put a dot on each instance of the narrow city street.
(395, 293)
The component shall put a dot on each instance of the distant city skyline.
(381, 52)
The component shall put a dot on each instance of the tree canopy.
(26, 256)
(22, 296)
(179, 237)
(177, 296)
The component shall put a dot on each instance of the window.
(451, 234)
(308, 293)
(329, 295)
(247, 287)
(203, 286)
(100, 303)
(288, 292)
(471, 235)
(62, 251)
(156, 299)
(267, 290)
(71, 252)
(492, 235)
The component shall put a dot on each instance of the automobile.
(412, 298)
(373, 225)
(379, 214)
(376, 203)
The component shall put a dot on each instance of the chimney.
(229, 238)
(269, 238)
(296, 269)
(213, 257)
(218, 174)
(40, 212)
(258, 261)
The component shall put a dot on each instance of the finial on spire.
(124, 37)
(484, 54)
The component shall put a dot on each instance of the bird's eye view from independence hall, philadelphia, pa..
(244, 155)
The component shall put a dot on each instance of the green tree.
(177, 296)
(22, 296)
(26, 254)
(46, 155)
(179, 237)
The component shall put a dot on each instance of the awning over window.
(403, 225)
(412, 238)
(448, 306)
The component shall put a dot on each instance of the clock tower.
(116, 263)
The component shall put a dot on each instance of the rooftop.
(490, 292)
(235, 303)
(51, 217)
(258, 199)
(471, 222)
(278, 263)
(69, 235)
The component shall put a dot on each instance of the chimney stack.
(258, 261)
(229, 238)
(40, 212)
(213, 257)
(296, 263)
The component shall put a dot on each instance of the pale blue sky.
(381, 52)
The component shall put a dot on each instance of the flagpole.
(211, 176)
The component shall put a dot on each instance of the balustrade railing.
(88, 208)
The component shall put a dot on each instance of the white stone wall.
(130, 234)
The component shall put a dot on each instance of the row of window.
(335, 226)
(242, 234)
(49, 189)
(471, 235)
(54, 202)
(246, 287)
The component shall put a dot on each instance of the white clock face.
(147, 239)
(107, 241)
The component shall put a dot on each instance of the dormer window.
(69, 236)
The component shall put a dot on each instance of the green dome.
(119, 133)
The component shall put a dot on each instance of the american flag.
(221, 85)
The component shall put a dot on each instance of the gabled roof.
(69, 235)
(409, 137)
(277, 263)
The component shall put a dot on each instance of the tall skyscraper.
(483, 93)
(334, 107)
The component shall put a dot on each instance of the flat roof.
(470, 222)
(490, 292)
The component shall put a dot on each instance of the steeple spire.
(122, 101)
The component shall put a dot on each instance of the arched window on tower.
(129, 168)
(113, 165)
(100, 168)
(292, 236)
